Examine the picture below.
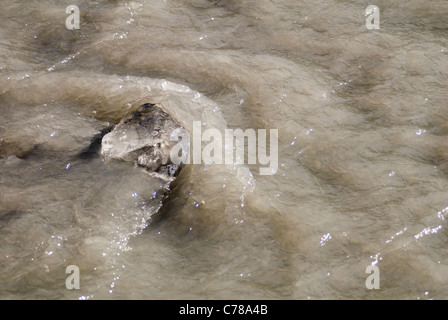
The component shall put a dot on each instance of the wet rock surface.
(143, 137)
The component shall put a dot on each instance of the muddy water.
(362, 148)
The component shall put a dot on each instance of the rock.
(143, 137)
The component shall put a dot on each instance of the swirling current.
(362, 176)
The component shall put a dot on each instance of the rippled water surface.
(362, 173)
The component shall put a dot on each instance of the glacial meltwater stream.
(357, 177)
